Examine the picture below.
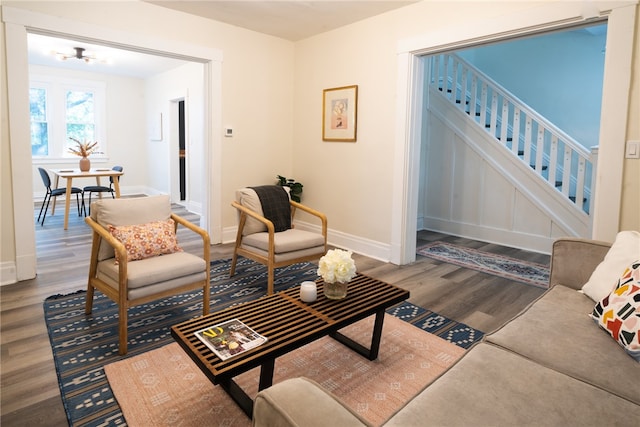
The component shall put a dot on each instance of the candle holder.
(308, 291)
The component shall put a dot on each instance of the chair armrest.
(206, 241)
(311, 211)
(252, 214)
(100, 234)
(573, 260)
(117, 245)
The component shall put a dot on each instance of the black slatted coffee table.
(288, 323)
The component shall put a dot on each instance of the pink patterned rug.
(164, 387)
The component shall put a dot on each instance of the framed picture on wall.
(340, 114)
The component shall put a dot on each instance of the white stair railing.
(557, 158)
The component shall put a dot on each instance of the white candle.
(308, 291)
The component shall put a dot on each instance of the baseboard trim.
(8, 273)
(370, 248)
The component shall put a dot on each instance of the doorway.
(473, 184)
(16, 24)
(411, 130)
(182, 154)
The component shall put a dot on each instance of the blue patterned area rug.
(486, 262)
(82, 345)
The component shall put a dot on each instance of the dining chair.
(55, 192)
(266, 233)
(135, 256)
(100, 189)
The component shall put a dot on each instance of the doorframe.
(615, 105)
(18, 23)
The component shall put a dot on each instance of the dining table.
(69, 174)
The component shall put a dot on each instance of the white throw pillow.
(623, 252)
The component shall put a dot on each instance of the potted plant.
(295, 188)
(84, 150)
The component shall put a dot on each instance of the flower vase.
(335, 290)
(85, 164)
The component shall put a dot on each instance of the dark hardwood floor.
(29, 387)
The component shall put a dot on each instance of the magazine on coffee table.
(230, 338)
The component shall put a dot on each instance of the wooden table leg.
(55, 185)
(116, 186)
(67, 204)
(98, 184)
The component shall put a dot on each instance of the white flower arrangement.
(337, 266)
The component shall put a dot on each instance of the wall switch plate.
(228, 132)
(633, 150)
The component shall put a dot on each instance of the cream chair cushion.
(169, 271)
(248, 198)
(135, 210)
(285, 241)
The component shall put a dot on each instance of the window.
(39, 122)
(61, 109)
(80, 117)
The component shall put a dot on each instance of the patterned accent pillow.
(147, 240)
(619, 312)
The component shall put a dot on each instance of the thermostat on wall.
(228, 132)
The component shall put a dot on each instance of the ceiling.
(109, 60)
(291, 20)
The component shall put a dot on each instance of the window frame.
(56, 89)
(47, 90)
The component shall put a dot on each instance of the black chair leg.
(45, 211)
(78, 203)
(46, 196)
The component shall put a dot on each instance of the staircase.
(563, 164)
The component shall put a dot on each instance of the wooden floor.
(30, 394)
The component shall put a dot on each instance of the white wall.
(163, 91)
(125, 131)
(475, 188)
(559, 75)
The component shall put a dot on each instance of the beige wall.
(257, 90)
(354, 180)
(272, 96)
(630, 206)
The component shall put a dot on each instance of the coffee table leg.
(240, 396)
(370, 353)
(266, 374)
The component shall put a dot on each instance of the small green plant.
(295, 188)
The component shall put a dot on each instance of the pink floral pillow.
(619, 312)
(147, 240)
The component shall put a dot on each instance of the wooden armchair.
(145, 268)
(258, 239)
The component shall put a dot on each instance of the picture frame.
(155, 127)
(340, 114)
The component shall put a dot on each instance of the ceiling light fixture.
(79, 54)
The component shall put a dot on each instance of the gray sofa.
(549, 366)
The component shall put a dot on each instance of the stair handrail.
(531, 112)
(479, 80)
